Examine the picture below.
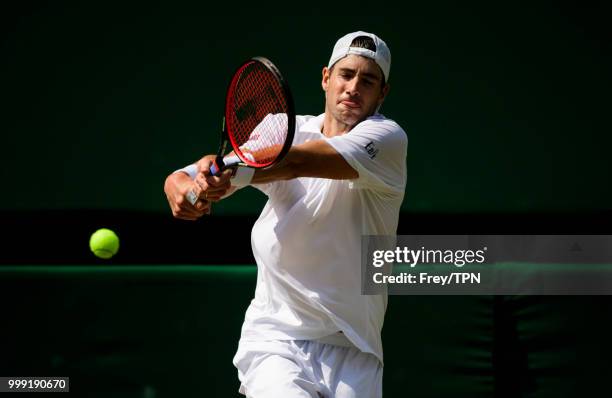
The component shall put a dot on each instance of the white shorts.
(306, 368)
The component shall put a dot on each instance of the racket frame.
(227, 138)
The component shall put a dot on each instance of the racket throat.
(219, 164)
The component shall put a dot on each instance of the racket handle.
(214, 169)
(217, 166)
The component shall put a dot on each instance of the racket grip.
(214, 169)
(217, 166)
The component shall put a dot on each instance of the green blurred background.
(505, 105)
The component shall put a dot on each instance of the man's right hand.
(176, 187)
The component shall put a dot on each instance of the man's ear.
(325, 78)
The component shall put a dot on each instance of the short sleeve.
(376, 148)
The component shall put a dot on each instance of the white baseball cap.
(382, 55)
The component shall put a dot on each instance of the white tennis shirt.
(307, 240)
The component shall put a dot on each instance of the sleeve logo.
(371, 150)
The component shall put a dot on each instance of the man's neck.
(333, 127)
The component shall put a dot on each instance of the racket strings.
(259, 123)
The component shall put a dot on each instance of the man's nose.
(352, 87)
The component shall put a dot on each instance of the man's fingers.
(207, 191)
(216, 195)
(186, 209)
(187, 201)
(190, 205)
(202, 185)
(202, 205)
(212, 188)
(221, 180)
(204, 165)
(191, 197)
(216, 192)
(189, 214)
(184, 215)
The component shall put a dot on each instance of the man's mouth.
(350, 104)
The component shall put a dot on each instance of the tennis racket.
(259, 121)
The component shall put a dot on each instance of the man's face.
(353, 89)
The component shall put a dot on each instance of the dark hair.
(364, 42)
(368, 43)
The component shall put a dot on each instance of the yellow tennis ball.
(104, 243)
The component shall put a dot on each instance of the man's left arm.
(372, 155)
(310, 159)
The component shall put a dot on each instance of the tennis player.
(309, 332)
